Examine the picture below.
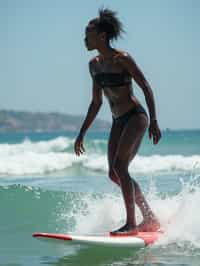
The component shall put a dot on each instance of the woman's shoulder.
(93, 65)
(121, 54)
(94, 60)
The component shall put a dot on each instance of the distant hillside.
(22, 121)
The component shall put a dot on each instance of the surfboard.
(141, 239)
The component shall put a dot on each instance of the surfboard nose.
(54, 236)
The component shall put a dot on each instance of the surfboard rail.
(139, 240)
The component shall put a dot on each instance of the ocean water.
(45, 187)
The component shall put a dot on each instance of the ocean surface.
(45, 187)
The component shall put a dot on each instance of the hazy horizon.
(99, 118)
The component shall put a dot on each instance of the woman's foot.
(125, 230)
(150, 224)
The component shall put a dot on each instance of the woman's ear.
(103, 36)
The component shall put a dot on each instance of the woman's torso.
(116, 83)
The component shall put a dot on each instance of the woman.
(111, 71)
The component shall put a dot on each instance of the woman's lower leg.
(128, 192)
(139, 197)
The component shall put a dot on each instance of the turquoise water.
(45, 187)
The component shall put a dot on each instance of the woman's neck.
(106, 52)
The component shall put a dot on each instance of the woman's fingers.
(156, 136)
(159, 135)
(155, 133)
(79, 149)
(82, 148)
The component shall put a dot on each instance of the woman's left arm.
(130, 65)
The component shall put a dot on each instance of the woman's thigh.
(130, 140)
(115, 133)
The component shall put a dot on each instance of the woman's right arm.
(91, 114)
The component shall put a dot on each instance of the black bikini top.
(111, 79)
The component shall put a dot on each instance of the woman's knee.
(113, 176)
(120, 167)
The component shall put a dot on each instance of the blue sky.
(44, 63)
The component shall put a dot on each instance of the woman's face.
(92, 38)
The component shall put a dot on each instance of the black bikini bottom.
(122, 120)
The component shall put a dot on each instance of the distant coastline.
(24, 121)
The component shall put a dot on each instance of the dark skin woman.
(112, 71)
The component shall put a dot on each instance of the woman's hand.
(78, 145)
(154, 131)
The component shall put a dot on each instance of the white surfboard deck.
(140, 240)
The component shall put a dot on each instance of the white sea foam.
(35, 157)
(42, 157)
(178, 214)
(55, 145)
(183, 217)
(165, 163)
